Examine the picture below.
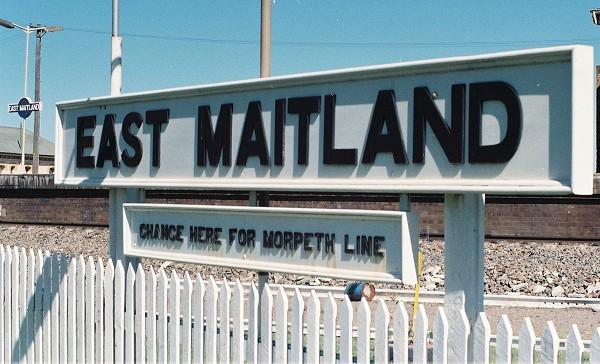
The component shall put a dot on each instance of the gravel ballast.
(558, 269)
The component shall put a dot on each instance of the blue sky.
(180, 43)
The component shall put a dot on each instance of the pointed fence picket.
(401, 327)
(281, 326)
(161, 325)
(129, 315)
(440, 337)
(252, 343)
(61, 309)
(237, 315)
(198, 329)
(186, 312)
(224, 299)
(363, 342)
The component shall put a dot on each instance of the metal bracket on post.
(464, 216)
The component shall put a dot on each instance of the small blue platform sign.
(25, 107)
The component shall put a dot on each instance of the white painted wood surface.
(382, 326)
(574, 346)
(482, 333)
(252, 343)
(59, 310)
(420, 336)
(329, 329)
(224, 300)
(346, 318)
(80, 307)
(296, 321)
(109, 317)
(237, 316)
(90, 281)
(140, 317)
(458, 335)
(595, 347)
(186, 316)
(526, 342)
(504, 336)
(198, 329)
(400, 326)
(151, 356)
(99, 311)
(312, 320)
(363, 340)
(265, 350)
(210, 303)
(119, 307)
(281, 326)
(161, 325)
(129, 315)
(440, 337)
(72, 311)
(549, 344)
(174, 333)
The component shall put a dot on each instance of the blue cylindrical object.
(357, 290)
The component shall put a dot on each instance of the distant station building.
(10, 152)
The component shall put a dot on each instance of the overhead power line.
(440, 44)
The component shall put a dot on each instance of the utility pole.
(40, 31)
(36, 115)
(118, 196)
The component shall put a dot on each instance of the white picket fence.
(58, 310)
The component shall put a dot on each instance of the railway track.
(438, 297)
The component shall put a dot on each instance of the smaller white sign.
(377, 246)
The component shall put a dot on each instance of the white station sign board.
(350, 244)
(515, 122)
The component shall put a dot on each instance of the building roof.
(10, 142)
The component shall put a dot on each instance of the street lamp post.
(40, 31)
(10, 25)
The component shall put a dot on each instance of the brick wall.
(529, 217)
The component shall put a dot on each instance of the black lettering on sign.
(377, 242)
(506, 148)
(108, 143)
(267, 241)
(251, 241)
(252, 141)
(132, 140)
(451, 139)
(288, 236)
(319, 237)
(193, 234)
(164, 232)
(330, 154)
(178, 233)
(278, 143)
(303, 106)
(85, 141)
(365, 243)
(307, 245)
(329, 243)
(157, 118)
(384, 116)
(298, 240)
(216, 143)
(142, 233)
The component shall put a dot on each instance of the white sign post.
(508, 123)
